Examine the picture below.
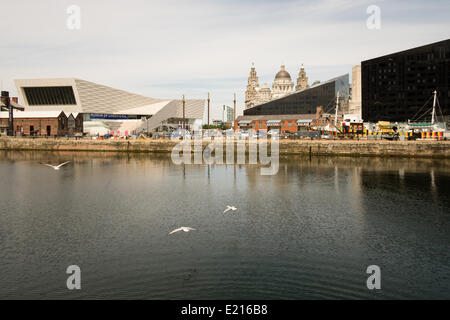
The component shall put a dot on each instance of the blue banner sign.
(105, 116)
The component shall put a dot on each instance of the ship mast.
(433, 113)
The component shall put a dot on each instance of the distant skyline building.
(306, 101)
(281, 87)
(252, 85)
(302, 80)
(399, 87)
(227, 114)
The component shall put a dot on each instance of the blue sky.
(164, 49)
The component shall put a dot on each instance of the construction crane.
(9, 105)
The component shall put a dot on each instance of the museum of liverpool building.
(106, 110)
(300, 109)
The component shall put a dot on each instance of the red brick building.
(37, 123)
(282, 123)
(286, 122)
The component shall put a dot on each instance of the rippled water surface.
(310, 232)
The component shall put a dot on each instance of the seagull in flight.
(59, 166)
(230, 208)
(185, 229)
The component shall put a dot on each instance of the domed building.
(282, 84)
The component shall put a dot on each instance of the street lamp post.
(208, 107)
(234, 110)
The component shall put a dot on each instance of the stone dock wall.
(428, 149)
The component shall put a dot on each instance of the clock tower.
(302, 80)
(252, 87)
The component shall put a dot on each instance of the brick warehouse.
(286, 122)
(37, 123)
(75, 124)
(281, 123)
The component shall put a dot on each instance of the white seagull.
(230, 208)
(185, 229)
(59, 166)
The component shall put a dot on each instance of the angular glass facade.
(396, 87)
(307, 100)
(39, 96)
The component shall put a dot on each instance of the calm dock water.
(309, 232)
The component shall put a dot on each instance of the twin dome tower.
(282, 86)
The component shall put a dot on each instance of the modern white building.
(106, 109)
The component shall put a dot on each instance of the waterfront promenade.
(431, 149)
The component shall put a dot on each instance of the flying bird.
(185, 229)
(59, 166)
(230, 208)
